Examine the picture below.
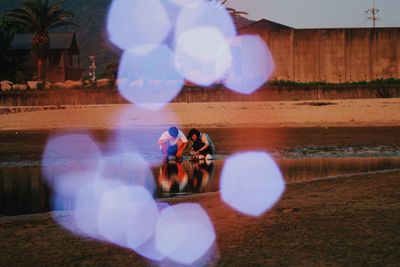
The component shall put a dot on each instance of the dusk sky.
(320, 13)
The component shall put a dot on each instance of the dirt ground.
(350, 113)
(345, 221)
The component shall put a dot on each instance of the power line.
(371, 13)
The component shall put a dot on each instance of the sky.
(320, 13)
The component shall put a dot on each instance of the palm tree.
(40, 17)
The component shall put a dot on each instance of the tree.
(40, 16)
(111, 71)
(7, 61)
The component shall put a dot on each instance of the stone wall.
(333, 55)
(196, 94)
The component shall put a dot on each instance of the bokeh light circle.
(69, 153)
(68, 184)
(127, 216)
(83, 205)
(251, 66)
(148, 249)
(184, 233)
(139, 129)
(129, 168)
(132, 23)
(202, 55)
(251, 182)
(150, 80)
(187, 3)
(86, 206)
(205, 14)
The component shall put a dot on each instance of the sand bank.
(348, 221)
(351, 113)
(345, 221)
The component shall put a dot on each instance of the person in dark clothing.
(202, 145)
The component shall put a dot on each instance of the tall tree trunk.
(40, 63)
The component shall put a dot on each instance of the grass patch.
(293, 83)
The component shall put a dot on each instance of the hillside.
(91, 16)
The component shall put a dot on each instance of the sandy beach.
(343, 221)
(348, 221)
(351, 113)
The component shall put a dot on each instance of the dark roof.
(241, 21)
(58, 40)
(267, 24)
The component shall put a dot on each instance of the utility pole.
(371, 13)
(92, 68)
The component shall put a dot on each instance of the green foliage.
(40, 16)
(386, 81)
(40, 86)
(293, 83)
(8, 28)
(111, 71)
(384, 93)
(7, 60)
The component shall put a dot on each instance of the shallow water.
(20, 149)
(22, 190)
(303, 154)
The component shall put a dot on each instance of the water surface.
(303, 154)
(22, 190)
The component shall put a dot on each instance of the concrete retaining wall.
(196, 94)
(333, 55)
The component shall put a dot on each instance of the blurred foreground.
(342, 221)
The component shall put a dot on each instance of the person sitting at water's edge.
(203, 146)
(172, 143)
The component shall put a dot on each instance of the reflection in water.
(172, 178)
(300, 170)
(201, 174)
(22, 190)
(176, 177)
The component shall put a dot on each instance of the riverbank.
(345, 113)
(345, 221)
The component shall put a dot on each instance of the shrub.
(384, 93)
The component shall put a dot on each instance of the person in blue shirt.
(172, 143)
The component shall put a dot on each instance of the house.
(63, 61)
(266, 24)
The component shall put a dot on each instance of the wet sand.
(345, 221)
(29, 145)
(348, 113)
(349, 221)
